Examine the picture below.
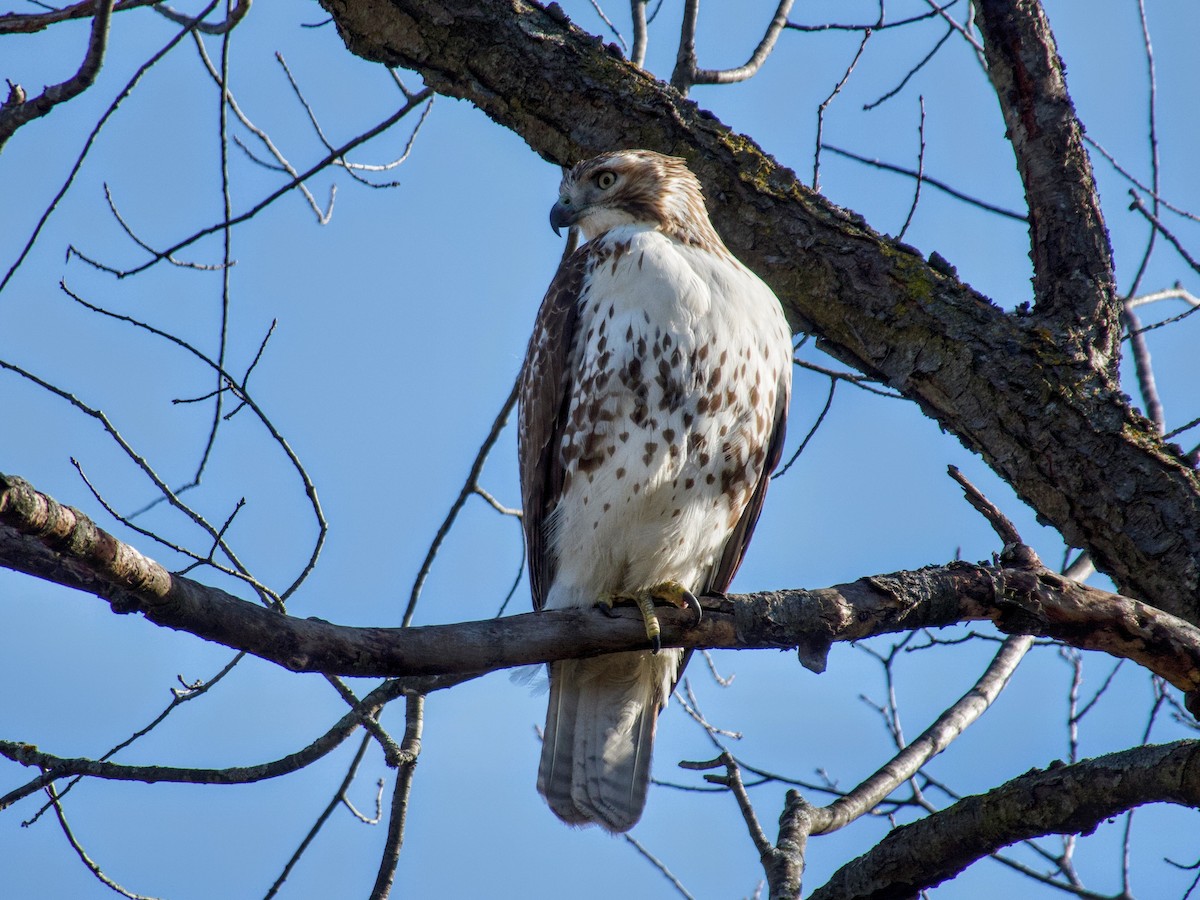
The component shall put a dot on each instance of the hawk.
(653, 400)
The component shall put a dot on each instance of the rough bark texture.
(1062, 799)
(43, 538)
(1072, 260)
(1010, 386)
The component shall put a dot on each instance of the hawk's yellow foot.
(671, 592)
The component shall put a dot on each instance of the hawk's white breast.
(680, 357)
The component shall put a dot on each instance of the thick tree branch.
(42, 538)
(1002, 382)
(1063, 799)
(1072, 259)
(16, 110)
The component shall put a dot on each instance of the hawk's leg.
(671, 592)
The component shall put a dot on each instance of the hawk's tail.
(599, 735)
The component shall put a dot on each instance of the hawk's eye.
(605, 180)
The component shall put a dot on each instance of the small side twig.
(1003, 527)
(411, 747)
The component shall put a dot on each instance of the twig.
(57, 767)
(323, 217)
(236, 14)
(392, 752)
(92, 866)
(1138, 205)
(29, 23)
(611, 27)
(857, 379)
(141, 464)
(932, 182)
(383, 126)
(816, 180)
(910, 74)
(469, 487)
(369, 820)
(1140, 350)
(178, 697)
(967, 36)
(658, 864)
(879, 25)
(920, 174)
(310, 488)
(999, 522)
(339, 797)
(1137, 340)
(91, 139)
(415, 719)
(1132, 179)
(811, 432)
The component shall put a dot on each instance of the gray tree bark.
(1033, 392)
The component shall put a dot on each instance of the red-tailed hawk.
(652, 408)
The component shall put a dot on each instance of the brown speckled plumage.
(652, 410)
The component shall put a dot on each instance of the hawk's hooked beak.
(563, 215)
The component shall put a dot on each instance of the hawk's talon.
(671, 592)
(645, 603)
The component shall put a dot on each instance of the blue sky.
(400, 326)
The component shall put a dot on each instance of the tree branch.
(1100, 475)
(934, 849)
(1072, 259)
(42, 538)
(687, 73)
(16, 110)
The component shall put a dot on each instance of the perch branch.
(53, 542)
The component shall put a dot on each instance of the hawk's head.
(628, 187)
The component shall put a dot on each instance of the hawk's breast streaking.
(652, 410)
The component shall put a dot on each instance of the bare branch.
(948, 726)
(42, 538)
(91, 139)
(654, 860)
(219, 28)
(837, 88)
(936, 848)
(339, 797)
(55, 768)
(750, 68)
(91, 864)
(910, 73)
(416, 100)
(414, 724)
(878, 25)
(1005, 529)
(641, 33)
(1072, 260)
(29, 23)
(932, 182)
(912, 210)
(470, 486)
(323, 217)
(17, 111)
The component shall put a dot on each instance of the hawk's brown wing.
(739, 539)
(542, 414)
